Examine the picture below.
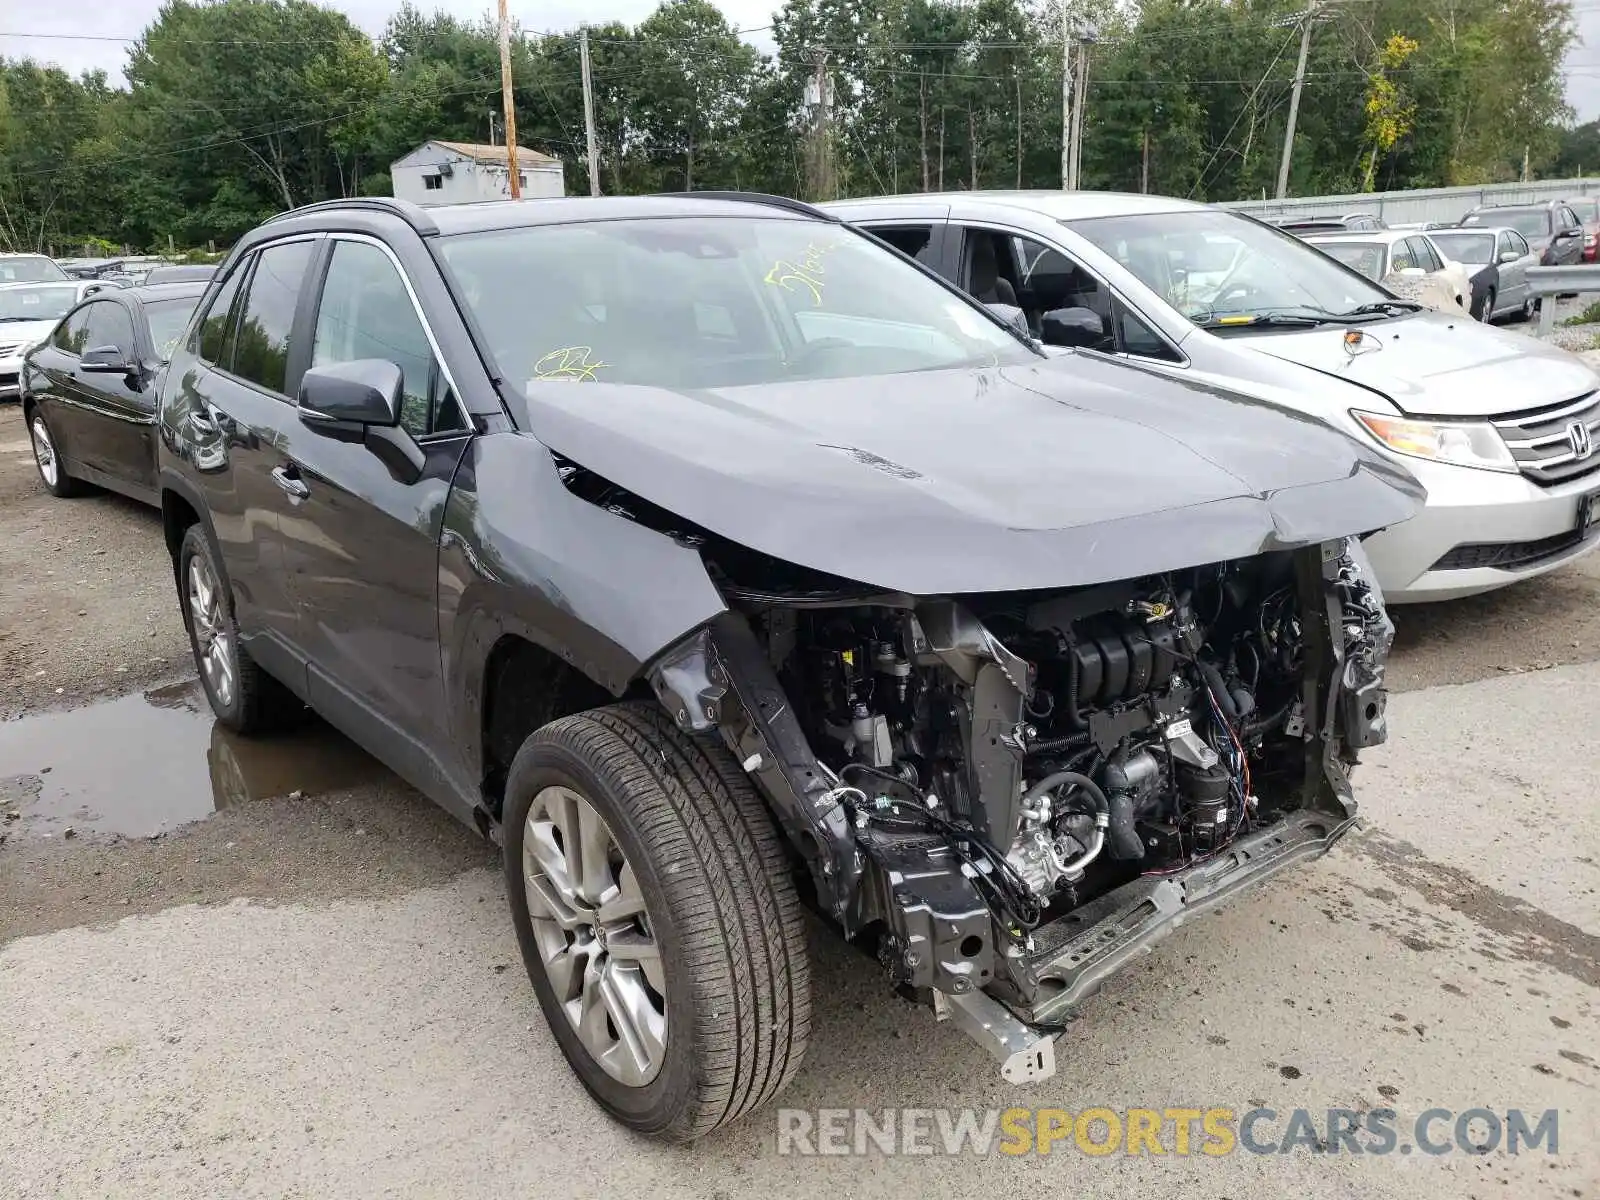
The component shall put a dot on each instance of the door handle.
(288, 480)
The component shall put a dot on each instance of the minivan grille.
(1542, 441)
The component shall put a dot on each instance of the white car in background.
(1407, 262)
(1503, 430)
(28, 315)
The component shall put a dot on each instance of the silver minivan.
(1500, 428)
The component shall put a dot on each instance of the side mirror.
(359, 402)
(364, 392)
(1509, 256)
(1411, 272)
(1072, 327)
(1012, 316)
(104, 360)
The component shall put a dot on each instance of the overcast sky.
(73, 17)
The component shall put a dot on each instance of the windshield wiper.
(1384, 308)
(1267, 320)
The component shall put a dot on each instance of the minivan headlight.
(1459, 443)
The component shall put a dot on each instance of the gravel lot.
(318, 994)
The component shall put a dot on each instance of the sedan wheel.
(1487, 313)
(594, 935)
(52, 472)
(212, 636)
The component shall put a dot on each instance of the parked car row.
(1491, 280)
(967, 567)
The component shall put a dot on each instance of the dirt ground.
(87, 602)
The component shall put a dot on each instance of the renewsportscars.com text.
(1211, 1132)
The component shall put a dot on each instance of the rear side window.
(266, 317)
(915, 240)
(216, 328)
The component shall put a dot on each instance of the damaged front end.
(1005, 797)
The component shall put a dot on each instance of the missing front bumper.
(1072, 957)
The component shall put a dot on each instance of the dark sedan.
(89, 389)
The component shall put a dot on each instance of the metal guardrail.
(1549, 282)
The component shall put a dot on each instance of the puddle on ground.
(145, 764)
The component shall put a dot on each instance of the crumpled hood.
(1441, 365)
(24, 333)
(1049, 474)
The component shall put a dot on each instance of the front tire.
(47, 458)
(244, 697)
(657, 919)
(1487, 314)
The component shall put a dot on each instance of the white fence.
(1423, 204)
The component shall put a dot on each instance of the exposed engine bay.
(1003, 797)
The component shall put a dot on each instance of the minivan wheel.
(657, 919)
(243, 696)
(46, 456)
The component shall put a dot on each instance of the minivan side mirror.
(1072, 327)
(1013, 316)
(363, 392)
(104, 360)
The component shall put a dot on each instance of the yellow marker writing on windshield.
(569, 362)
(806, 273)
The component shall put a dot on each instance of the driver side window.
(1043, 281)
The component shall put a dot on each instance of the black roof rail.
(413, 215)
(784, 202)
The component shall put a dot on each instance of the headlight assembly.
(1459, 443)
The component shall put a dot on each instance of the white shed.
(463, 172)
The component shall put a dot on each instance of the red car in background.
(1587, 210)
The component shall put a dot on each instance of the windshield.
(1529, 222)
(1472, 248)
(1243, 269)
(711, 302)
(28, 268)
(167, 320)
(36, 303)
(1366, 257)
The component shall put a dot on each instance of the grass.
(1589, 316)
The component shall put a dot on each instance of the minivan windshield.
(698, 302)
(46, 302)
(1474, 248)
(1529, 222)
(1223, 270)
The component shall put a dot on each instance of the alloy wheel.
(213, 638)
(44, 452)
(594, 934)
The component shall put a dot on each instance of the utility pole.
(820, 96)
(491, 127)
(588, 114)
(1144, 167)
(1306, 19)
(1078, 110)
(1066, 97)
(509, 103)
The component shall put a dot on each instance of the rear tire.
(243, 696)
(672, 838)
(47, 457)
